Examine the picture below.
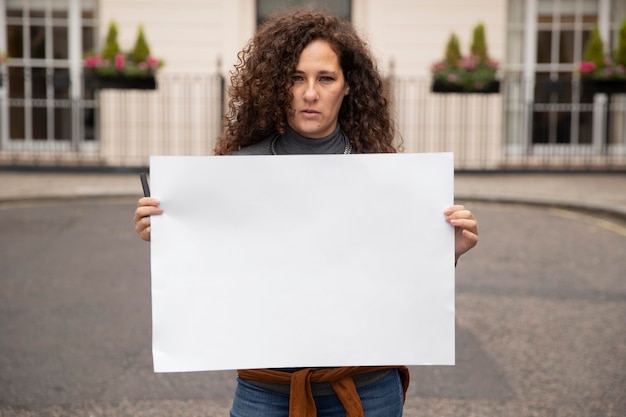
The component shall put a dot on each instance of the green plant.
(478, 47)
(600, 66)
(113, 62)
(453, 50)
(620, 50)
(141, 50)
(474, 72)
(111, 47)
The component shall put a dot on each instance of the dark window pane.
(15, 41)
(14, 12)
(60, 42)
(338, 8)
(37, 42)
(565, 87)
(553, 91)
(563, 122)
(61, 83)
(59, 14)
(39, 82)
(544, 47)
(542, 87)
(89, 39)
(40, 123)
(37, 13)
(585, 125)
(62, 123)
(16, 123)
(541, 127)
(550, 89)
(16, 82)
(566, 47)
(89, 124)
(584, 42)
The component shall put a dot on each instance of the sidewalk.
(597, 192)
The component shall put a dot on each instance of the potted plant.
(600, 72)
(115, 69)
(474, 73)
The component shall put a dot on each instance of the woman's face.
(318, 91)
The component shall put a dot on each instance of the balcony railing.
(522, 127)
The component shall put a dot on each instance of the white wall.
(191, 34)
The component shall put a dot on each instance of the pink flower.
(152, 62)
(92, 61)
(620, 69)
(452, 78)
(438, 66)
(468, 63)
(587, 66)
(143, 66)
(119, 62)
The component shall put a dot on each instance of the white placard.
(302, 261)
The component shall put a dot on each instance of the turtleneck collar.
(292, 143)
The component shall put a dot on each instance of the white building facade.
(540, 117)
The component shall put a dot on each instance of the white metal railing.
(122, 128)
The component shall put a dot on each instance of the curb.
(597, 208)
(602, 209)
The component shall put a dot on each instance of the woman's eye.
(326, 79)
(297, 78)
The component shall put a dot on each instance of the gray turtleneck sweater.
(292, 143)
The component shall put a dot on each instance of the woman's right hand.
(146, 207)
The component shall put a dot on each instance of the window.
(546, 41)
(341, 8)
(41, 96)
(563, 27)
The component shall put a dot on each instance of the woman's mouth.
(309, 113)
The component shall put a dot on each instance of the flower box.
(113, 69)
(606, 86)
(120, 82)
(490, 87)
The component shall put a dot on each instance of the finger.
(454, 208)
(148, 201)
(461, 213)
(142, 224)
(145, 234)
(143, 229)
(464, 223)
(146, 211)
(471, 239)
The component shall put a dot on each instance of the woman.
(307, 84)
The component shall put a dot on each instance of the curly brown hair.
(260, 82)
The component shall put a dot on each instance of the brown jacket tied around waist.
(301, 402)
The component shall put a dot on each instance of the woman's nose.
(310, 94)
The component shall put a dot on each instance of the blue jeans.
(382, 398)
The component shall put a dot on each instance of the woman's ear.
(347, 90)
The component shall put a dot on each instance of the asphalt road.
(541, 313)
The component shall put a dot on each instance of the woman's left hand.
(465, 229)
